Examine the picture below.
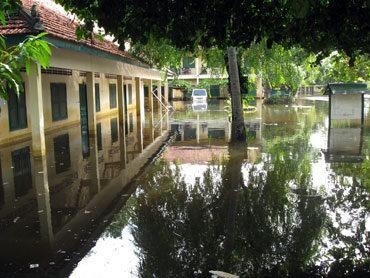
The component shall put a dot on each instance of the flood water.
(170, 197)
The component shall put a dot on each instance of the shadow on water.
(294, 201)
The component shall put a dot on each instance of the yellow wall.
(73, 105)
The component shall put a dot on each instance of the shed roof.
(346, 88)
(58, 26)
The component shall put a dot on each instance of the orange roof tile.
(58, 26)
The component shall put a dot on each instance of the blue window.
(112, 96)
(129, 93)
(58, 101)
(62, 155)
(17, 111)
(99, 136)
(97, 97)
(114, 130)
(22, 171)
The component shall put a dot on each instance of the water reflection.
(276, 207)
(52, 208)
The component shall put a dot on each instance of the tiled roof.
(58, 26)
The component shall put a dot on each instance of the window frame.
(19, 104)
(58, 97)
(112, 99)
(97, 98)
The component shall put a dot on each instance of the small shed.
(346, 100)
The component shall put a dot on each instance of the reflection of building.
(87, 79)
(194, 70)
(215, 132)
(344, 145)
(49, 205)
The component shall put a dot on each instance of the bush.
(279, 100)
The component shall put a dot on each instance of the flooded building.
(72, 142)
(87, 80)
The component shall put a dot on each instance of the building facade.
(196, 72)
(87, 80)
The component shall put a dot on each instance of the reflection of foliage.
(250, 229)
(253, 220)
(121, 219)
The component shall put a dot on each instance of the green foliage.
(335, 68)
(279, 100)
(314, 25)
(12, 59)
(158, 53)
(278, 66)
(182, 84)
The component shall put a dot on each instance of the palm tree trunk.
(237, 125)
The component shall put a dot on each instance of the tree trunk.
(237, 124)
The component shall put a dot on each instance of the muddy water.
(293, 201)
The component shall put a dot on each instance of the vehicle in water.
(199, 95)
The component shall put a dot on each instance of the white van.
(199, 95)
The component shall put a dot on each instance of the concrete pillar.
(139, 111)
(37, 111)
(139, 93)
(166, 91)
(121, 120)
(41, 185)
(92, 178)
(160, 112)
(90, 91)
(151, 111)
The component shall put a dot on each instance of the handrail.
(165, 106)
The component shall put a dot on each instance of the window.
(61, 153)
(114, 130)
(131, 122)
(129, 91)
(22, 171)
(17, 111)
(97, 97)
(59, 101)
(188, 62)
(112, 96)
(98, 136)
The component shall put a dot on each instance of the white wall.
(346, 107)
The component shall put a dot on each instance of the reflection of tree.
(251, 229)
(260, 220)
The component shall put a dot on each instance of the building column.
(160, 107)
(151, 111)
(41, 185)
(37, 111)
(90, 92)
(121, 120)
(139, 93)
(165, 93)
(140, 110)
(92, 178)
